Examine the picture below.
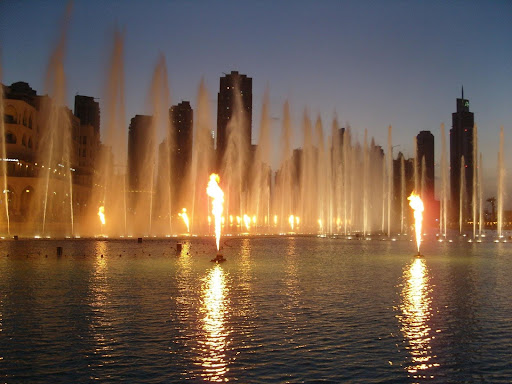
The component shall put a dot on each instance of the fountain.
(501, 184)
(337, 183)
(3, 167)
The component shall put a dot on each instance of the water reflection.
(215, 307)
(416, 312)
(99, 303)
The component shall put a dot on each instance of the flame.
(184, 216)
(417, 205)
(320, 225)
(247, 222)
(101, 214)
(291, 220)
(275, 219)
(231, 219)
(213, 190)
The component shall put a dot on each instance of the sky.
(370, 63)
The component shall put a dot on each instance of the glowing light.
(297, 220)
(291, 220)
(238, 220)
(320, 225)
(231, 219)
(275, 219)
(184, 216)
(416, 313)
(417, 205)
(101, 214)
(247, 222)
(214, 309)
(254, 220)
(215, 192)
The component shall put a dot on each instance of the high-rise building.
(235, 91)
(461, 155)
(138, 146)
(88, 111)
(425, 153)
(182, 116)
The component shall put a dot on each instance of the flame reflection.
(215, 309)
(416, 313)
(101, 321)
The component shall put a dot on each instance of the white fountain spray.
(476, 186)
(501, 184)
(444, 185)
(390, 177)
(3, 168)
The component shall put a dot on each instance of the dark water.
(279, 310)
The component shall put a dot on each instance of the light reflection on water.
(99, 303)
(215, 307)
(416, 312)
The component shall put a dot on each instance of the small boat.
(218, 259)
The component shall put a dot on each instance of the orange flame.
(417, 205)
(291, 220)
(101, 214)
(215, 192)
(184, 216)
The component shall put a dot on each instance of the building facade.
(425, 155)
(235, 92)
(461, 157)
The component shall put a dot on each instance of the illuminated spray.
(213, 190)
(417, 205)
(101, 214)
(291, 220)
(184, 216)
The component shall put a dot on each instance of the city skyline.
(404, 63)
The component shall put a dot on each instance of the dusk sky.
(373, 63)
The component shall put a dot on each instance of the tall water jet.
(284, 185)
(161, 166)
(308, 168)
(417, 205)
(234, 166)
(501, 185)
(480, 197)
(110, 181)
(3, 168)
(321, 173)
(259, 196)
(390, 177)
(415, 166)
(462, 192)
(443, 216)
(202, 159)
(55, 143)
(476, 186)
(402, 193)
(366, 183)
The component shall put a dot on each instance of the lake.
(280, 309)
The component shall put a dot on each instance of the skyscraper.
(88, 111)
(181, 116)
(461, 154)
(235, 91)
(138, 147)
(425, 146)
